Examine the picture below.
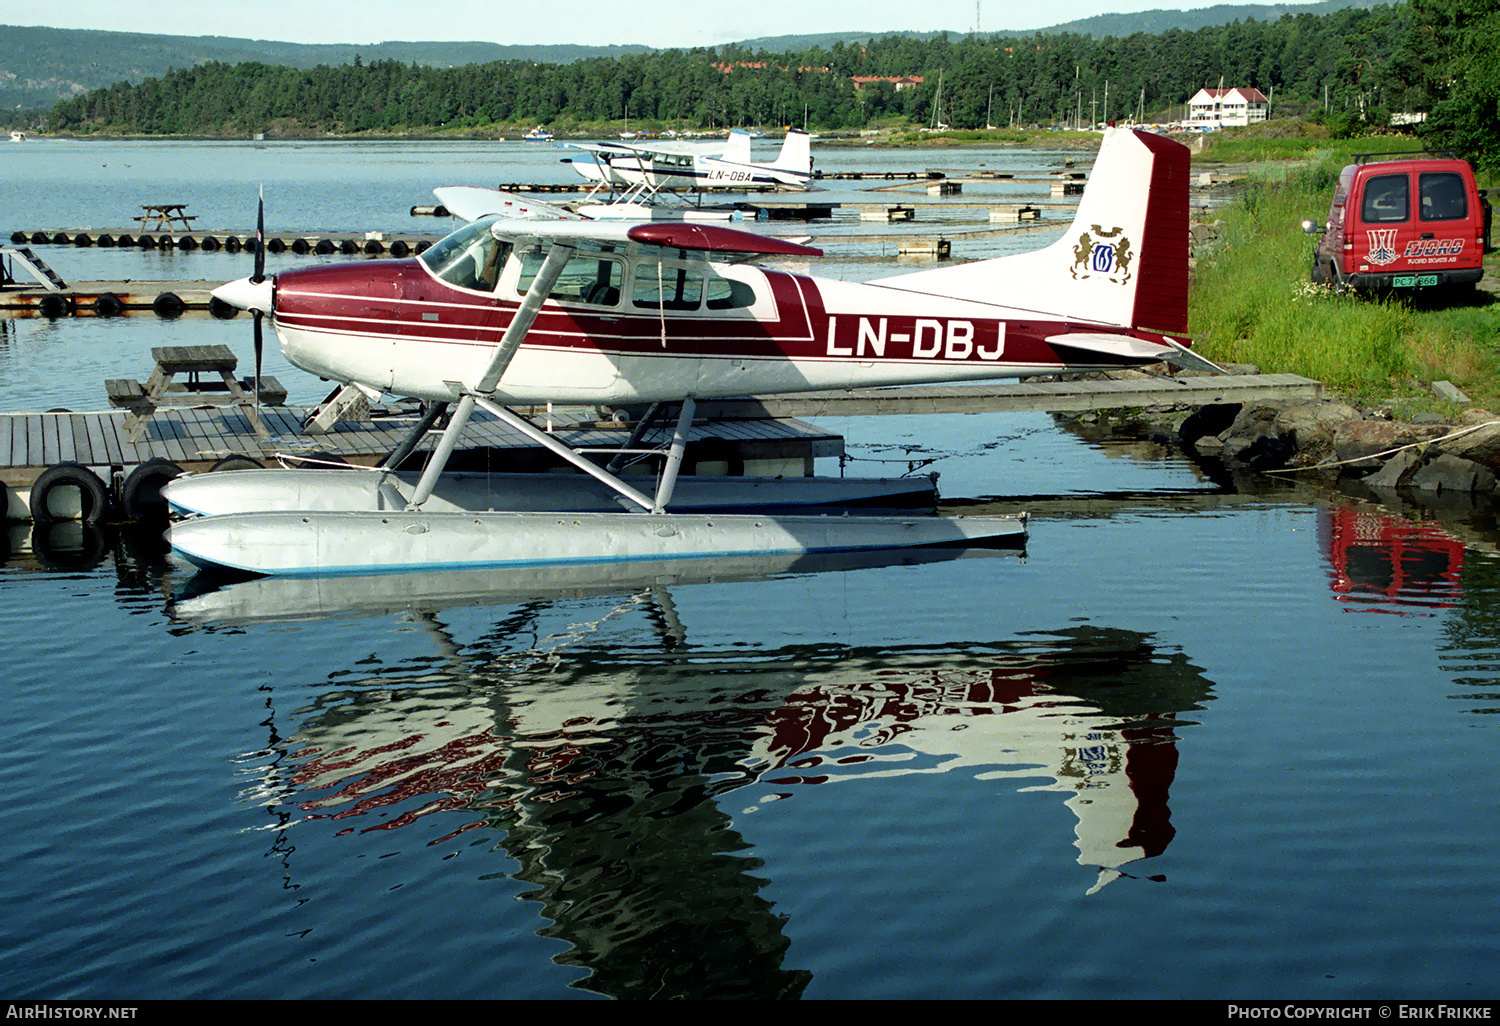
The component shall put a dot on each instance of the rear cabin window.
(586, 279)
(728, 294)
(1387, 200)
(668, 287)
(1444, 197)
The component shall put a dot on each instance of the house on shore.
(1225, 108)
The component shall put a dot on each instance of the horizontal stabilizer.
(471, 203)
(1119, 348)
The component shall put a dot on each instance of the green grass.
(1252, 302)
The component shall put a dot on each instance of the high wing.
(652, 149)
(700, 238)
(472, 203)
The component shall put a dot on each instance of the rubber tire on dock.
(168, 304)
(108, 305)
(140, 495)
(52, 306)
(221, 310)
(93, 496)
(236, 462)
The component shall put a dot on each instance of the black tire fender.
(234, 461)
(140, 495)
(93, 497)
(52, 306)
(108, 305)
(168, 304)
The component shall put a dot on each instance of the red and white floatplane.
(510, 311)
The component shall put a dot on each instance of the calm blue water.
(1191, 744)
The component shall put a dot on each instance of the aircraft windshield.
(470, 258)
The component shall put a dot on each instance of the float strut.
(674, 456)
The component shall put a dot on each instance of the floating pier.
(100, 444)
(397, 244)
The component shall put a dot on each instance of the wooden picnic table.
(165, 216)
(198, 363)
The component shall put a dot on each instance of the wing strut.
(505, 351)
(482, 395)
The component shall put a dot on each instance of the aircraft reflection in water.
(605, 766)
(1389, 563)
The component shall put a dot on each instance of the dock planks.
(197, 437)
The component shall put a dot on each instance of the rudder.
(1122, 262)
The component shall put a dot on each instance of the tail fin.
(738, 147)
(1124, 261)
(796, 153)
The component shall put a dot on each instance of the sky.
(656, 23)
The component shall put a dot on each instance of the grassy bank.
(1252, 302)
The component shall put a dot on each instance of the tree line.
(1353, 67)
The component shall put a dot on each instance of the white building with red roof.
(1224, 108)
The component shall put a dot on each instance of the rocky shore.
(1419, 459)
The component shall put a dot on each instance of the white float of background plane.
(512, 311)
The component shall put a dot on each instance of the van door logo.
(1102, 253)
(1382, 245)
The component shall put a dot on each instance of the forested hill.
(1346, 63)
(39, 66)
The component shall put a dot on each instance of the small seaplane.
(638, 175)
(513, 311)
(681, 165)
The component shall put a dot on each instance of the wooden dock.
(112, 299)
(196, 438)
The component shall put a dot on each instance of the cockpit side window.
(587, 278)
(470, 258)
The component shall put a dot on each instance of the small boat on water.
(18, 137)
(537, 134)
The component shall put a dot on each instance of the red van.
(1403, 221)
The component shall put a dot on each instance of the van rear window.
(1387, 200)
(1444, 197)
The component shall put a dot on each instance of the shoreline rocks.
(1331, 439)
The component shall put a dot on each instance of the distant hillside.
(39, 66)
(1150, 22)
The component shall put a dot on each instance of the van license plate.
(1427, 279)
(1404, 281)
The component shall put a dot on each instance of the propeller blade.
(260, 241)
(259, 346)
